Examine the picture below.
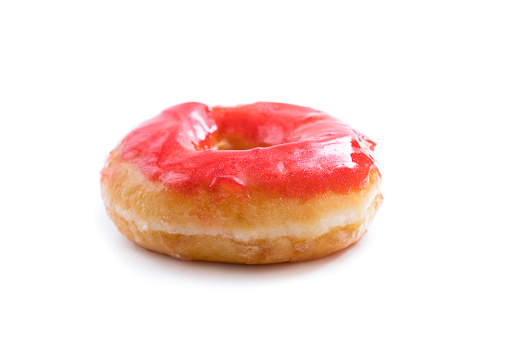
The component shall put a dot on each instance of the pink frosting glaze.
(285, 150)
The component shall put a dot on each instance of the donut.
(253, 184)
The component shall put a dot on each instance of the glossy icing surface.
(273, 148)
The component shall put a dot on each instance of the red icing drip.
(306, 152)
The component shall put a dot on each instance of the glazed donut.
(253, 184)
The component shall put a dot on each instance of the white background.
(427, 80)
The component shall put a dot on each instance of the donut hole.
(234, 142)
(243, 128)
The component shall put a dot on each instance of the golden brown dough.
(261, 232)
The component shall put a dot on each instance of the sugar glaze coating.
(279, 148)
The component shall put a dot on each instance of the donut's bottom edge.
(219, 248)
